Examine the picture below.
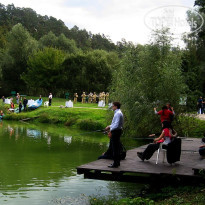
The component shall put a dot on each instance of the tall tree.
(14, 58)
(89, 71)
(45, 71)
(201, 4)
(61, 42)
(49, 40)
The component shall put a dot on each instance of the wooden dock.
(132, 169)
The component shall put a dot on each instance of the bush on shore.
(83, 118)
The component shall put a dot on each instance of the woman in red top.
(165, 114)
(165, 138)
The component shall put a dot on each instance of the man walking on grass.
(116, 130)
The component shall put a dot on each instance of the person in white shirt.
(116, 130)
(50, 98)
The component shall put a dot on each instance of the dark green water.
(38, 165)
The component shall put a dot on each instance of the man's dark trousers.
(115, 141)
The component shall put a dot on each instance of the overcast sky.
(129, 19)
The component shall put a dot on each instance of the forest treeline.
(39, 54)
(38, 26)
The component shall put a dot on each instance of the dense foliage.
(193, 62)
(91, 62)
(38, 26)
(28, 42)
(149, 76)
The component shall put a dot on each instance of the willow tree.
(149, 76)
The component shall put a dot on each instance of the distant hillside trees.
(39, 26)
(60, 42)
(13, 59)
(23, 32)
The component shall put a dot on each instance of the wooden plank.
(190, 159)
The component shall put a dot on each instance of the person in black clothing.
(116, 130)
(20, 106)
(25, 102)
(109, 153)
(50, 98)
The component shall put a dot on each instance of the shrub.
(90, 125)
(70, 122)
(124, 201)
(44, 118)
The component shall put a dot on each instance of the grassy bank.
(189, 195)
(86, 116)
(83, 116)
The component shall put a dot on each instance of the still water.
(38, 165)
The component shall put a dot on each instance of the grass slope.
(83, 116)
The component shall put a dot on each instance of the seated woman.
(166, 136)
(202, 148)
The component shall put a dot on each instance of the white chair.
(46, 103)
(101, 103)
(30, 102)
(69, 103)
(158, 152)
(7, 101)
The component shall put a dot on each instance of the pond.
(38, 165)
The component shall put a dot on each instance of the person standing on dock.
(116, 130)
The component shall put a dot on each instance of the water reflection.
(33, 133)
(38, 162)
(68, 139)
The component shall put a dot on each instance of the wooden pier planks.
(188, 166)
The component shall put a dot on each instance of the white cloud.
(116, 18)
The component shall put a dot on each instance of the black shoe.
(139, 154)
(113, 166)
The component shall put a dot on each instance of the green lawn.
(61, 101)
(83, 116)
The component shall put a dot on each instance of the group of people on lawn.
(24, 104)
